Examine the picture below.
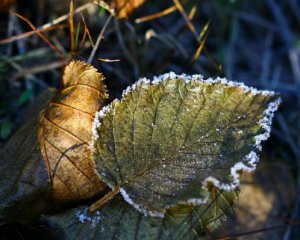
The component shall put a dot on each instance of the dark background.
(252, 41)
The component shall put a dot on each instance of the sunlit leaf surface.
(66, 130)
(166, 139)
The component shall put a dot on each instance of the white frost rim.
(251, 159)
(192, 201)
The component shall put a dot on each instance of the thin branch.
(104, 200)
(40, 34)
(186, 18)
(71, 21)
(30, 33)
(86, 31)
(99, 39)
(47, 26)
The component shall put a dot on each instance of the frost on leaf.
(118, 220)
(169, 137)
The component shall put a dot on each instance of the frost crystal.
(196, 77)
(85, 216)
(266, 122)
(142, 81)
(138, 207)
(96, 124)
(197, 201)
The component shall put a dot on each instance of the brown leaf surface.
(65, 133)
(125, 7)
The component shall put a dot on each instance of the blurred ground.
(256, 42)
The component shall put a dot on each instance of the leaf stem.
(104, 200)
(71, 21)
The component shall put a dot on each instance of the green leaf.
(25, 97)
(168, 138)
(119, 220)
(24, 192)
(6, 128)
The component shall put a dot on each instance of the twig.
(66, 16)
(104, 200)
(46, 26)
(99, 39)
(19, 69)
(156, 15)
(10, 29)
(289, 222)
(186, 18)
(39, 69)
(30, 33)
(109, 60)
(105, 6)
(159, 14)
(41, 35)
(71, 21)
(232, 236)
(204, 34)
(86, 32)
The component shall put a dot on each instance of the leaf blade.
(119, 220)
(167, 138)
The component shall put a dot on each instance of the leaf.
(65, 133)
(126, 7)
(119, 220)
(24, 192)
(170, 137)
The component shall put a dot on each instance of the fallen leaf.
(65, 133)
(170, 137)
(119, 220)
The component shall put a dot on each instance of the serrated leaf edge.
(251, 159)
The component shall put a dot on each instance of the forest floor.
(255, 42)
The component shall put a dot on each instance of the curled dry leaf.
(65, 133)
(125, 7)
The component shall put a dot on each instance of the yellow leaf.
(65, 133)
(126, 7)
